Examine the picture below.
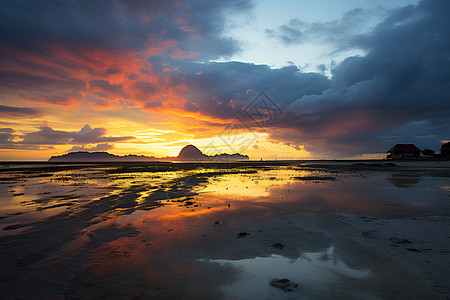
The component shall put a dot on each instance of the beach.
(232, 230)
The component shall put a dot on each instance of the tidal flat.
(253, 230)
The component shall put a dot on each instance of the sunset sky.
(281, 79)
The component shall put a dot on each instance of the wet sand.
(353, 230)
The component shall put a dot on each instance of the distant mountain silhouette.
(84, 156)
(192, 153)
(188, 153)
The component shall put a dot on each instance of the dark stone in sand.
(414, 250)
(187, 203)
(18, 194)
(277, 246)
(399, 240)
(242, 234)
(283, 284)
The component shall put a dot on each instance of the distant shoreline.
(372, 164)
(224, 161)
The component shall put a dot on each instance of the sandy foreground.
(279, 230)
(421, 243)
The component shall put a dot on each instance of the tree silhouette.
(428, 152)
(445, 149)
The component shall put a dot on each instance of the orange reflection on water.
(253, 185)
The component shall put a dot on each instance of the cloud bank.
(46, 136)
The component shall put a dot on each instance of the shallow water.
(119, 233)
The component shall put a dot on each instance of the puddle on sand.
(112, 245)
(315, 273)
(28, 198)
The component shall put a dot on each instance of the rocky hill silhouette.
(188, 153)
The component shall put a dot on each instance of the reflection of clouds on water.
(127, 230)
(316, 273)
(33, 195)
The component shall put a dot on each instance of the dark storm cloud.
(6, 135)
(9, 140)
(370, 102)
(87, 135)
(195, 25)
(58, 89)
(19, 112)
(7, 130)
(402, 81)
(45, 137)
(28, 22)
(222, 90)
(13, 80)
(69, 52)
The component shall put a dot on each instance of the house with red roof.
(404, 151)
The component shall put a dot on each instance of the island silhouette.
(188, 153)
